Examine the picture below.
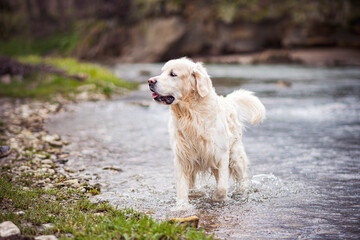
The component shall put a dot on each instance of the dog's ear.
(202, 79)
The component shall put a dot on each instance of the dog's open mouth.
(162, 99)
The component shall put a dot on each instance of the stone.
(73, 182)
(5, 79)
(189, 221)
(20, 213)
(48, 186)
(46, 161)
(87, 87)
(39, 156)
(56, 143)
(46, 237)
(51, 138)
(8, 229)
(47, 226)
(24, 168)
(46, 165)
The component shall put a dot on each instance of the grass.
(72, 213)
(44, 85)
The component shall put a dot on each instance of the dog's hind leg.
(192, 180)
(238, 162)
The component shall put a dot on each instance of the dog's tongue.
(154, 95)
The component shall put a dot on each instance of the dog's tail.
(248, 107)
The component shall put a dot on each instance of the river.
(305, 158)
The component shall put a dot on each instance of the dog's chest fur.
(197, 138)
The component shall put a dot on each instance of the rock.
(113, 169)
(39, 156)
(20, 213)
(189, 221)
(56, 143)
(47, 226)
(73, 183)
(87, 87)
(51, 138)
(82, 96)
(48, 186)
(46, 161)
(46, 165)
(8, 229)
(46, 237)
(283, 84)
(24, 168)
(5, 79)
(147, 45)
(69, 170)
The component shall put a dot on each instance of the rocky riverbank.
(36, 157)
(41, 199)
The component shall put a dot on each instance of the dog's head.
(180, 80)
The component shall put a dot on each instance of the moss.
(73, 213)
(45, 85)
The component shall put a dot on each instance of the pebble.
(46, 161)
(24, 168)
(46, 165)
(39, 156)
(46, 237)
(56, 143)
(48, 186)
(8, 229)
(73, 182)
(47, 226)
(20, 213)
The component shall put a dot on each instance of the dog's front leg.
(182, 188)
(222, 179)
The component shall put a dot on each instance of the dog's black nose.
(152, 81)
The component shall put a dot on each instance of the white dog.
(205, 129)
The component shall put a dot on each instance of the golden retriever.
(205, 129)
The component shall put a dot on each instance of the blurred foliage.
(104, 28)
(298, 12)
(55, 44)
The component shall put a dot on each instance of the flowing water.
(305, 158)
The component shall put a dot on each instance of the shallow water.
(305, 158)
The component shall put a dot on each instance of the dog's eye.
(173, 74)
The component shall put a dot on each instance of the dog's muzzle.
(157, 97)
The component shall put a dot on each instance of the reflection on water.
(305, 158)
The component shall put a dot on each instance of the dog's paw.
(182, 205)
(220, 195)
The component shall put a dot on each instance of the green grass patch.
(44, 85)
(71, 212)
